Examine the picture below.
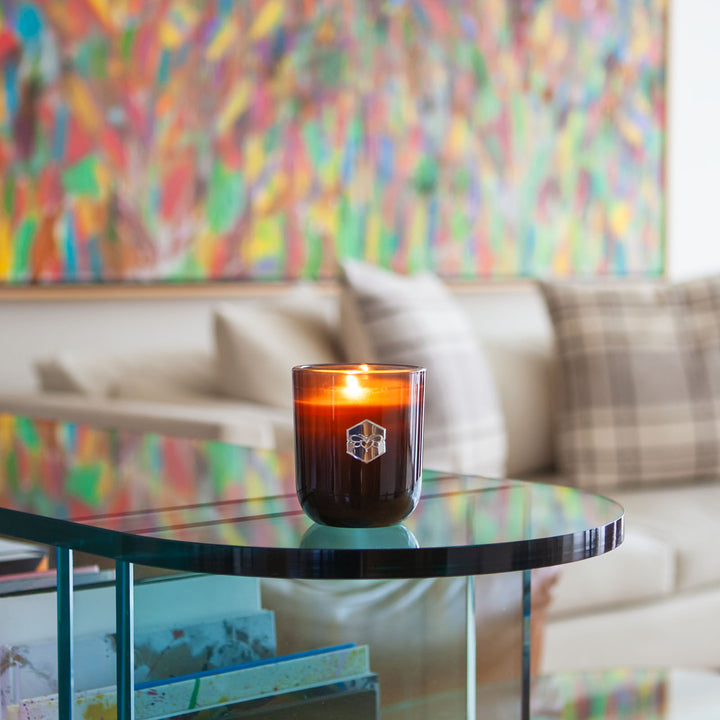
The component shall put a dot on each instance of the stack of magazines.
(190, 658)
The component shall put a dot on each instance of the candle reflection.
(323, 537)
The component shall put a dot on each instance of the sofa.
(652, 602)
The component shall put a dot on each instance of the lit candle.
(358, 442)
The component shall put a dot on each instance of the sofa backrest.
(511, 323)
(514, 328)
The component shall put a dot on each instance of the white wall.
(33, 329)
(693, 228)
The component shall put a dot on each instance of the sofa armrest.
(239, 423)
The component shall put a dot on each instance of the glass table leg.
(471, 640)
(124, 621)
(65, 632)
(502, 630)
(526, 598)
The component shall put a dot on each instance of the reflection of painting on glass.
(49, 466)
(197, 140)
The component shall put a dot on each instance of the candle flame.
(352, 388)
(364, 368)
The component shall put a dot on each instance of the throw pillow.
(63, 374)
(639, 375)
(258, 344)
(168, 376)
(392, 318)
(146, 375)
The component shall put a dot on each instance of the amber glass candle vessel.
(358, 442)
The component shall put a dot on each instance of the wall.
(33, 329)
(694, 142)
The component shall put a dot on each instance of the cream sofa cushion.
(415, 320)
(257, 345)
(525, 381)
(513, 327)
(676, 631)
(669, 536)
(641, 569)
(686, 519)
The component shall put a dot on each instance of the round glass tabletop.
(211, 507)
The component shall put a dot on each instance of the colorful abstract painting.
(196, 140)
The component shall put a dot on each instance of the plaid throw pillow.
(415, 320)
(639, 372)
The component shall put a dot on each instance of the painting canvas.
(208, 140)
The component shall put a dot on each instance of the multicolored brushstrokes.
(71, 471)
(212, 492)
(623, 694)
(264, 139)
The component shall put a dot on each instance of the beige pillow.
(70, 373)
(415, 320)
(147, 375)
(64, 374)
(258, 344)
(169, 377)
(639, 381)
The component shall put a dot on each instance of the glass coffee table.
(430, 618)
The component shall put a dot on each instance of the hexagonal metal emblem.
(366, 441)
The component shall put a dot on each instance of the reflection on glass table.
(437, 607)
(611, 694)
(628, 694)
(321, 537)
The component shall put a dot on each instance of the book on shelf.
(46, 580)
(177, 649)
(243, 686)
(183, 598)
(174, 616)
(17, 556)
(354, 699)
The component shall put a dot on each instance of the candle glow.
(352, 388)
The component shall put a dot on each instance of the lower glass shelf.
(177, 644)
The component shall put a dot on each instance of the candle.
(358, 442)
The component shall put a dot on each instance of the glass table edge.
(313, 563)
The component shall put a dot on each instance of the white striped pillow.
(415, 320)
